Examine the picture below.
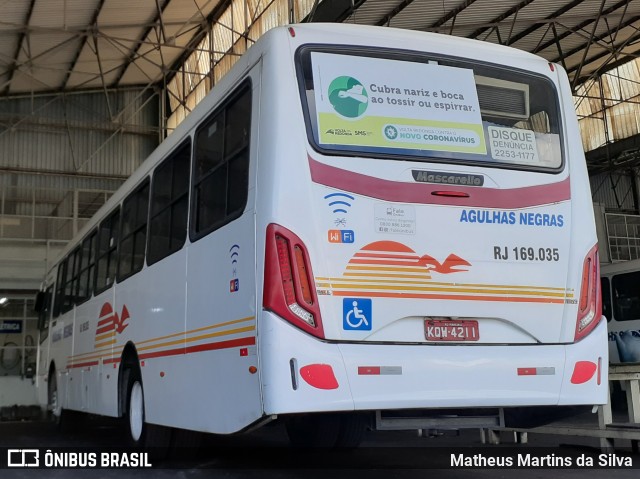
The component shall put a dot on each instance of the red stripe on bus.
(366, 254)
(81, 365)
(404, 192)
(232, 343)
(106, 329)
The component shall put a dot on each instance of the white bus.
(621, 307)
(357, 226)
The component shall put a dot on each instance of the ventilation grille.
(503, 98)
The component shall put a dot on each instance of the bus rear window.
(429, 108)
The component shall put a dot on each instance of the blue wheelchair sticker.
(356, 314)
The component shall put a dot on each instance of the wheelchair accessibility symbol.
(356, 314)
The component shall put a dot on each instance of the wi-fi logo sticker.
(234, 255)
(339, 202)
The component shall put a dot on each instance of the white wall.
(17, 391)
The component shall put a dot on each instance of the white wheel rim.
(53, 404)
(136, 411)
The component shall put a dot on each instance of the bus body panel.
(386, 376)
(515, 301)
(222, 312)
(213, 358)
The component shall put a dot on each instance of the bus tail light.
(289, 289)
(590, 303)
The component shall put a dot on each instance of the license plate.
(448, 330)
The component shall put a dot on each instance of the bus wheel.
(142, 434)
(352, 429)
(314, 430)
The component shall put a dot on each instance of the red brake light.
(289, 289)
(590, 304)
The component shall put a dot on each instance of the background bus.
(356, 226)
(621, 307)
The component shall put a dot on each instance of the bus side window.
(73, 268)
(108, 234)
(87, 267)
(221, 165)
(626, 296)
(133, 238)
(169, 205)
(44, 313)
(60, 283)
(606, 298)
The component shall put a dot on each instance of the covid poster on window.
(374, 102)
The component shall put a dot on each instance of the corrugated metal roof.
(57, 45)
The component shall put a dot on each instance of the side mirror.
(39, 301)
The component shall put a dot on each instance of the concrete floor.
(265, 454)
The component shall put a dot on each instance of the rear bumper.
(379, 377)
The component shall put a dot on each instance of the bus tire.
(352, 429)
(63, 419)
(142, 434)
(314, 430)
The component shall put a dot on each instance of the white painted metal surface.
(295, 333)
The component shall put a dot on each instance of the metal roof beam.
(554, 15)
(609, 65)
(598, 38)
(501, 17)
(21, 38)
(581, 25)
(589, 43)
(134, 51)
(92, 29)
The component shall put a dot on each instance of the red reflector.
(451, 194)
(551, 67)
(244, 352)
(292, 32)
(319, 376)
(368, 370)
(527, 371)
(583, 371)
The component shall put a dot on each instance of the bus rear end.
(429, 238)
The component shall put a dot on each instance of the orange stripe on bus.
(197, 338)
(197, 330)
(369, 294)
(366, 277)
(106, 343)
(452, 289)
